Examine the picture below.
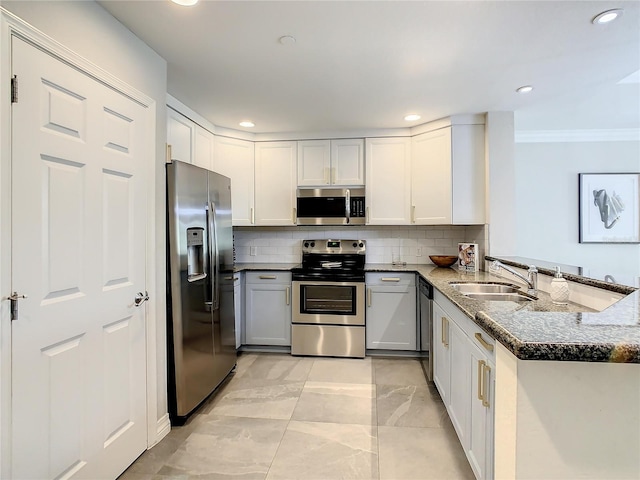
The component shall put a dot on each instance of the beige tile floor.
(284, 417)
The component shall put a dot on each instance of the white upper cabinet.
(314, 163)
(331, 162)
(448, 176)
(347, 162)
(203, 148)
(388, 186)
(275, 184)
(180, 135)
(234, 159)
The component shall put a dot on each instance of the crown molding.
(569, 136)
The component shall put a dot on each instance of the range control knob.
(306, 244)
(361, 244)
(313, 244)
(355, 244)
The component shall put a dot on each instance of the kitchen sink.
(476, 287)
(492, 292)
(500, 297)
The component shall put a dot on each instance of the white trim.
(163, 427)
(10, 25)
(568, 136)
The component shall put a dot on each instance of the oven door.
(328, 302)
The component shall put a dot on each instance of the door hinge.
(14, 89)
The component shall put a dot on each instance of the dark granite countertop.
(537, 330)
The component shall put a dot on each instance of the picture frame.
(468, 257)
(609, 205)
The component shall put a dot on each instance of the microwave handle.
(347, 206)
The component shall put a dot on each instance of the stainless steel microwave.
(330, 206)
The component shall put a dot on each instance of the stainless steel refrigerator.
(200, 313)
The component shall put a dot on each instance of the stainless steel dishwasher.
(426, 327)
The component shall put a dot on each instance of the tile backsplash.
(413, 244)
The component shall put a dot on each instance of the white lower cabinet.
(238, 307)
(391, 311)
(268, 308)
(464, 369)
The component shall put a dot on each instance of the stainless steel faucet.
(531, 279)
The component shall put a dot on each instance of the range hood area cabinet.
(448, 176)
(323, 163)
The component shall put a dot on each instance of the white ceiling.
(367, 64)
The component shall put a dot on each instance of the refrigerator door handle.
(213, 253)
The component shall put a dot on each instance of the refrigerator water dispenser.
(195, 254)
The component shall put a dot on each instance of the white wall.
(86, 28)
(546, 180)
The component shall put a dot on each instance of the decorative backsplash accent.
(282, 244)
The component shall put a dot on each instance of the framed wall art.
(609, 207)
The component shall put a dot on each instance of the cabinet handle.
(294, 215)
(413, 214)
(267, 277)
(326, 175)
(368, 297)
(287, 292)
(253, 218)
(367, 215)
(390, 279)
(168, 153)
(333, 175)
(483, 342)
(445, 338)
(486, 373)
(481, 365)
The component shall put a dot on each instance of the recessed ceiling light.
(607, 16)
(287, 40)
(185, 3)
(524, 89)
(247, 124)
(412, 117)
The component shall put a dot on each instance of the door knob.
(141, 298)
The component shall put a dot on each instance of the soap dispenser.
(559, 289)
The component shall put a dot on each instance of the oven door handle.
(347, 204)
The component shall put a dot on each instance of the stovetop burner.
(331, 260)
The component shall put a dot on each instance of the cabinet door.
(347, 162)
(469, 185)
(460, 383)
(388, 186)
(203, 150)
(180, 135)
(431, 178)
(441, 365)
(268, 314)
(234, 159)
(391, 317)
(481, 412)
(275, 183)
(314, 163)
(237, 305)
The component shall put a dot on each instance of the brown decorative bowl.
(443, 261)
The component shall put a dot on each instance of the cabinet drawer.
(476, 334)
(268, 277)
(390, 279)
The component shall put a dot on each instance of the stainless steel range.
(328, 299)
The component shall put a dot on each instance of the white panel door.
(388, 181)
(275, 183)
(314, 163)
(347, 161)
(234, 159)
(181, 136)
(431, 178)
(79, 150)
(203, 148)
